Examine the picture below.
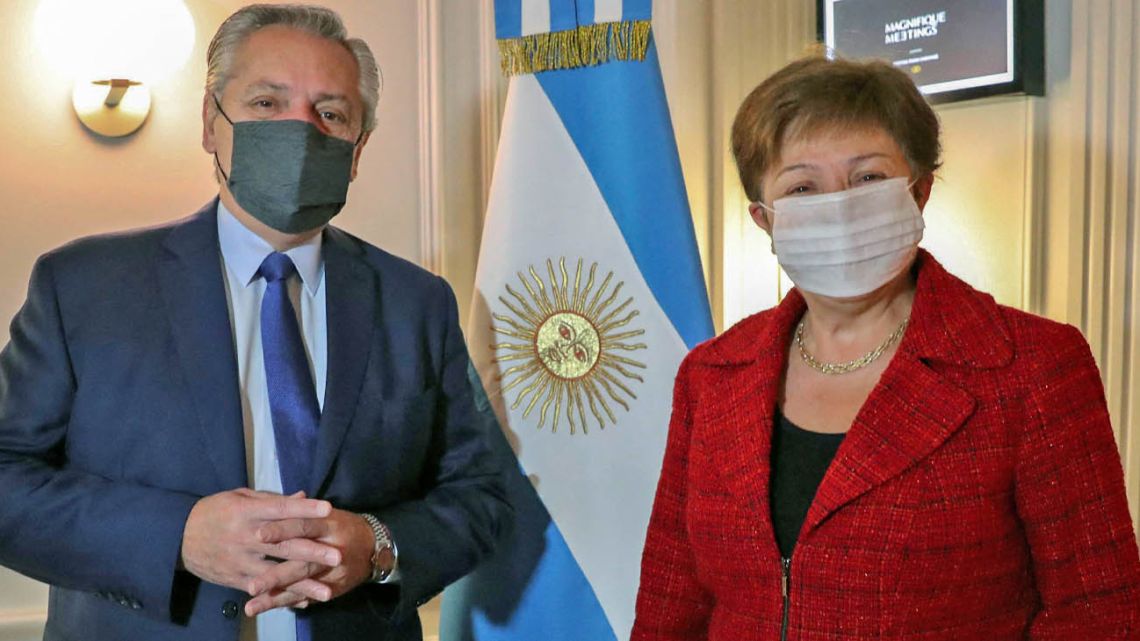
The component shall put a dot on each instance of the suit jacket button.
(229, 609)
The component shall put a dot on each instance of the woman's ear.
(760, 216)
(922, 189)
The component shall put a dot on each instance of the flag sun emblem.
(567, 356)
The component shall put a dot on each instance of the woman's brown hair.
(816, 94)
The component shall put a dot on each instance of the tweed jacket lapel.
(913, 409)
(910, 412)
(735, 416)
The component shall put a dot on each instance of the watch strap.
(383, 545)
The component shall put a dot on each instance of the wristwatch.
(384, 554)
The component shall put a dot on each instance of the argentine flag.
(589, 293)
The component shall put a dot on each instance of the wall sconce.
(110, 50)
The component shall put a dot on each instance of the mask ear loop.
(910, 188)
(217, 162)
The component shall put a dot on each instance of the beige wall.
(1037, 203)
(59, 182)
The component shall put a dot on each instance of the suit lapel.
(350, 301)
(193, 290)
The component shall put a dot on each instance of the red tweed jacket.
(978, 495)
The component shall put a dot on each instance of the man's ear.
(922, 189)
(209, 143)
(356, 153)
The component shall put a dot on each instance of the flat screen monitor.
(953, 49)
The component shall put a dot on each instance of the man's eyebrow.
(266, 84)
(332, 97)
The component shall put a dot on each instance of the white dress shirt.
(242, 254)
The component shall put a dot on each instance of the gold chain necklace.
(849, 366)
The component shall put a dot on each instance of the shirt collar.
(243, 252)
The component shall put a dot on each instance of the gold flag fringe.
(584, 46)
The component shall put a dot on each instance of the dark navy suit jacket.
(120, 407)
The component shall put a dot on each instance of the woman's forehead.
(832, 142)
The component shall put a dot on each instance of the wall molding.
(491, 99)
(750, 46)
(430, 124)
(1086, 214)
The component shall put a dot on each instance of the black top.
(800, 458)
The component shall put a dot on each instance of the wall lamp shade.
(111, 50)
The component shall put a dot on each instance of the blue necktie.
(292, 394)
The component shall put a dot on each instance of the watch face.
(384, 559)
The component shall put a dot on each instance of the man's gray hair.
(318, 21)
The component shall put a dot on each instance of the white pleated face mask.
(847, 243)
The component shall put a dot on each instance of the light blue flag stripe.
(508, 19)
(637, 10)
(563, 15)
(618, 118)
(585, 12)
(556, 603)
(533, 588)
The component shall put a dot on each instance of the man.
(171, 397)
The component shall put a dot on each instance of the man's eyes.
(268, 104)
(264, 107)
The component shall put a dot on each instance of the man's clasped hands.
(284, 551)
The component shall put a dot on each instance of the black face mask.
(287, 173)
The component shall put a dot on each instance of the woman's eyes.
(801, 189)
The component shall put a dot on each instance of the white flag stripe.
(607, 11)
(535, 17)
(599, 487)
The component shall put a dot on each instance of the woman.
(888, 453)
